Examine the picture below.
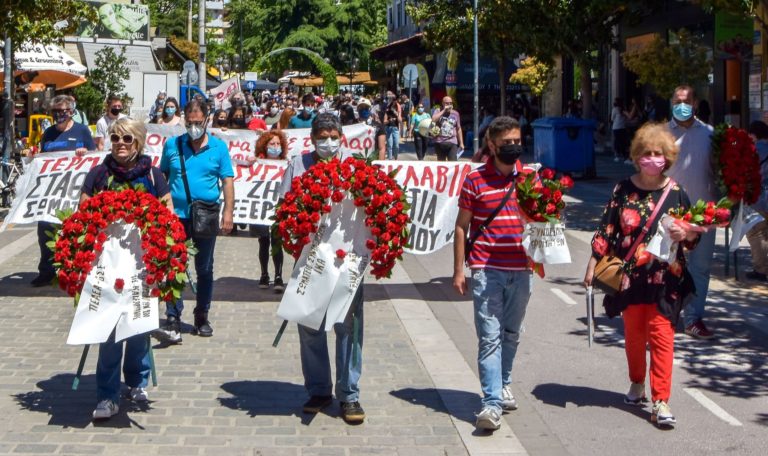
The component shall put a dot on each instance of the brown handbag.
(609, 269)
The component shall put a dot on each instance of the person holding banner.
(125, 165)
(501, 272)
(65, 134)
(365, 115)
(271, 145)
(326, 136)
(653, 292)
(208, 171)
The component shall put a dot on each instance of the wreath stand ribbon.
(76, 381)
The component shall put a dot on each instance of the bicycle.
(11, 171)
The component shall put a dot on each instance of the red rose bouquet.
(540, 196)
(737, 164)
(703, 216)
(80, 239)
(311, 195)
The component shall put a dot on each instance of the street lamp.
(476, 107)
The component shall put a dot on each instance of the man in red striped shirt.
(501, 276)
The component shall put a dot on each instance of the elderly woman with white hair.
(126, 164)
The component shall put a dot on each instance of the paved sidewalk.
(231, 394)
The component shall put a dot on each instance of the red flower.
(340, 254)
(119, 284)
(630, 220)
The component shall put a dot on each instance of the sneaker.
(352, 412)
(699, 330)
(636, 394)
(754, 275)
(41, 281)
(105, 410)
(508, 401)
(264, 282)
(279, 285)
(488, 419)
(317, 403)
(202, 326)
(171, 331)
(662, 415)
(139, 394)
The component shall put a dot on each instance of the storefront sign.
(119, 21)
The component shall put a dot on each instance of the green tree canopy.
(34, 20)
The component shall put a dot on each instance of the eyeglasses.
(126, 139)
(60, 111)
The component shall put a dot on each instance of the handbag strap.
(648, 224)
(483, 226)
(183, 169)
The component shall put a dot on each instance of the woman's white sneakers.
(662, 415)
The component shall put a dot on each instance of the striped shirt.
(500, 245)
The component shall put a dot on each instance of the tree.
(666, 66)
(169, 16)
(106, 77)
(41, 21)
(535, 74)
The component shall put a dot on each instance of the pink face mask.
(652, 165)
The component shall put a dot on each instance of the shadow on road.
(266, 398)
(584, 396)
(241, 289)
(70, 408)
(17, 284)
(433, 399)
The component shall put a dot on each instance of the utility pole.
(189, 22)
(8, 104)
(203, 75)
(476, 107)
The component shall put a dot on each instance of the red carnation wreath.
(737, 162)
(386, 208)
(80, 239)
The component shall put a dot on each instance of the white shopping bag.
(737, 229)
(102, 307)
(661, 245)
(545, 243)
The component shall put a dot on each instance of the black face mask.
(115, 111)
(509, 153)
(240, 122)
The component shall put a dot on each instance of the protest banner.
(113, 295)
(225, 90)
(322, 285)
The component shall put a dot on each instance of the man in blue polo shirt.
(208, 170)
(64, 135)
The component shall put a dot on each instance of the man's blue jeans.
(45, 266)
(203, 271)
(393, 143)
(699, 265)
(135, 367)
(316, 364)
(500, 299)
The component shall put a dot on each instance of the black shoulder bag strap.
(183, 169)
(483, 226)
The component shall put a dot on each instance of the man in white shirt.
(113, 113)
(693, 170)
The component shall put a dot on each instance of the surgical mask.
(196, 131)
(327, 148)
(274, 151)
(116, 111)
(364, 113)
(509, 153)
(682, 111)
(420, 110)
(272, 111)
(652, 165)
(74, 106)
(170, 111)
(61, 117)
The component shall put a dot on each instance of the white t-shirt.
(618, 119)
(102, 129)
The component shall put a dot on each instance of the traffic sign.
(410, 73)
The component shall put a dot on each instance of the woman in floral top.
(652, 291)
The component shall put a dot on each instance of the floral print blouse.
(647, 280)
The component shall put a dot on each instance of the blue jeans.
(45, 266)
(316, 364)
(699, 265)
(393, 143)
(204, 272)
(500, 299)
(135, 368)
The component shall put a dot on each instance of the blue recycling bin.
(565, 144)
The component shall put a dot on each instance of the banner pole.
(76, 381)
(280, 333)
(152, 370)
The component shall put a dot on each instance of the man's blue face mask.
(682, 111)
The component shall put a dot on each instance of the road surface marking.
(563, 296)
(17, 246)
(712, 407)
(570, 199)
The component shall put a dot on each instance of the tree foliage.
(665, 66)
(106, 77)
(170, 16)
(34, 20)
(535, 74)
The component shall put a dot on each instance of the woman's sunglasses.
(126, 139)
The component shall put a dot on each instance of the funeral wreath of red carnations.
(737, 163)
(311, 195)
(79, 241)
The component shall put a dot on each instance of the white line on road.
(563, 296)
(710, 405)
(17, 246)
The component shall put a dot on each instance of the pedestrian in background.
(306, 113)
(126, 164)
(450, 140)
(365, 115)
(694, 171)
(114, 112)
(619, 131)
(78, 115)
(652, 291)
(758, 235)
(419, 141)
(171, 114)
(392, 121)
(157, 107)
(501, 276)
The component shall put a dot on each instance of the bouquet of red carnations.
(737, 163)
(540, 196)
(704, 216)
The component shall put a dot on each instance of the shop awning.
(138, 58)
(47, 65)
(397, 50)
